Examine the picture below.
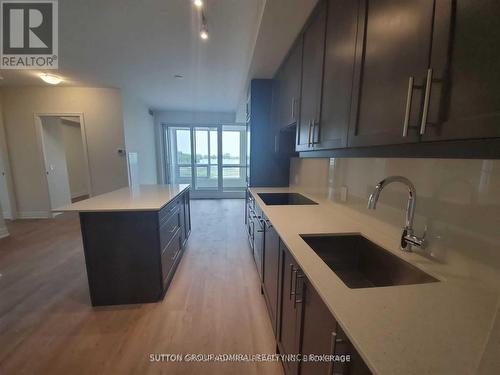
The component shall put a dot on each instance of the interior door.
(465, 61)
(392, 58)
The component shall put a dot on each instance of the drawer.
(169, 209)
(170, 253)
(168, 227)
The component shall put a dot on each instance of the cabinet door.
(340, 49)
(312, 77)
(187, 215)
(291, 311)
(318, 332)
(290, 86)
(465, 61)
(271, 271)
(392, 56)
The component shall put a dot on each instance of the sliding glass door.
(211, 158)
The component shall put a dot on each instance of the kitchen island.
(133, 240)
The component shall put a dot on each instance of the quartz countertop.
(137, 198)
(435, 328)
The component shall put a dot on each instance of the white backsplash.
(458, 201)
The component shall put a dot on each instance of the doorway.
(5, 199)
(64, 153)
(212, 158)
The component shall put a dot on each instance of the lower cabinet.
(302, 323)
(323, 336)
(271, 272)
(319, 330)
(288, 338)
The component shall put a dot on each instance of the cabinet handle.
(295, 300)
(314, 125)
(291, 282)
(409, 97)
(309, 134)
(427, 98)
(333, 342)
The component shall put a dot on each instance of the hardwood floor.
(214, 305)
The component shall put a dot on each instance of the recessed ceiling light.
(198, 3)
(204, 34)
(50, 78)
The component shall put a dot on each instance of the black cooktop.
(284, 199)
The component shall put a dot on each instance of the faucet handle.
(409, 239)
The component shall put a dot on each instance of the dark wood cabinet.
(393, 48)
(271, 272)
(302, 323)
(287, 89)
(341, 29)
(265, 166)
(312, 77)
(465, 61)
(318, 332)
(131, 256)
(322, 335)
(291, 310)
(391, 78)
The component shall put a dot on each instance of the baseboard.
(7, 215)
(34, 215)
(79, 194)
(3, 232)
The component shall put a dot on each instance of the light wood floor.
(214, 305)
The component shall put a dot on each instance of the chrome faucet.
(408, 238)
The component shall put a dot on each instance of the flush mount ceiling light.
(50, 78)
(198, 3)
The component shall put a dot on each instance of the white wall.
(103, 117)
(185, 118)
(75, 157)
(140, 137)
(55, 162)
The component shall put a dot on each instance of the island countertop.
(137, 198)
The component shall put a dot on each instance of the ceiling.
(139, 46)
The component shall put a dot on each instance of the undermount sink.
(360, 263)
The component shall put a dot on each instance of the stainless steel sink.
(360, 263)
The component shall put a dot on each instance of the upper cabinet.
(465, 71)
(287, 88)
(397, 78)
(340, 50)
(394, 40)
(312, 78)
